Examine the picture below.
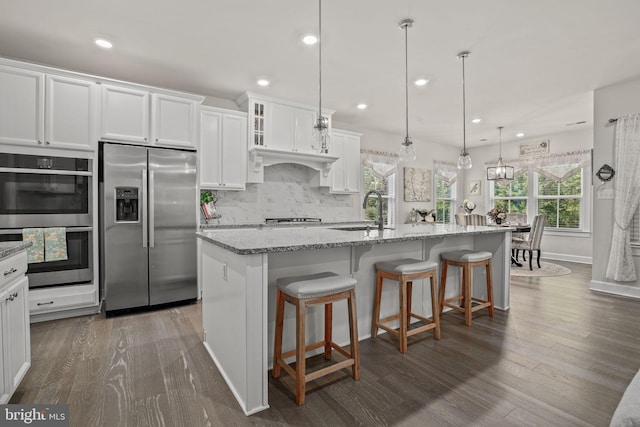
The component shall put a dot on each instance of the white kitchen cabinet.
(15, 358)
(141, 117)
(288, 128)
(345, 173)
(38, 109)
(173, 121)
(125, 114)
(223, 150)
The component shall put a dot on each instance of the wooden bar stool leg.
(277, 342)
(301, 315)
(409, 293)
(468, 294)
(353, 330)
(434, 307)
(376, 305)
(403, 316)
(463, 288)
(489, 287)
(443, 286)
(328, 327)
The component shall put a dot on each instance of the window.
(445, 200)
(561, 202)
(386, 187)
(556, 185)
(513, 195)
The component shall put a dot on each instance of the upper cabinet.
(138, 116)
(345, 173)
(223, 149)
(282, 132)
(44, 110)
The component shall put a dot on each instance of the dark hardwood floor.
(562, 356)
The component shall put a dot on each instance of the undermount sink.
(359, 228)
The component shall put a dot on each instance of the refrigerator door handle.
(152, 209)
(144, 208)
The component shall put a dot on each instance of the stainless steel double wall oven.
(47, 191)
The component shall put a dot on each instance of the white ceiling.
(532, 69)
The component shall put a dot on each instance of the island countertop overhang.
(278, 239)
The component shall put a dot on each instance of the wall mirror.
(605, 173)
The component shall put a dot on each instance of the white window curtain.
(557, 167)
(381, 163)
(626, 196)
(449, 172)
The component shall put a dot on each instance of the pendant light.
(407, 151)
(500, 171)
(321, 137)
(464, 160)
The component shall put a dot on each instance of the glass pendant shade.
(464, 160)
(321, 138)
(407, 151)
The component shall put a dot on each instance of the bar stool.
(466, 259)
(405, 271)
(305, 291)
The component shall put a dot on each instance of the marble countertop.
(9, 248)
(282, 225)
(293, 238)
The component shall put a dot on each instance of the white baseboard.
(615, 289)
(566, 257)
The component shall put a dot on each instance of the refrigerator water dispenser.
(127, 204)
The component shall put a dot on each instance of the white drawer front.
(61, 298)
(12, 268)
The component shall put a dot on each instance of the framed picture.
(474, 188)
(417, 185)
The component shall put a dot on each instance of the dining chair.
(460, 219)
(475, 219)
(532, 241)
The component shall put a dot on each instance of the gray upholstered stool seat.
(315, 285)
(405, 271)
(406, 265)
(306, 291)
(467, 255)
(466, 259)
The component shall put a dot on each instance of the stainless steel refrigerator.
(147, 226)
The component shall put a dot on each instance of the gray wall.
(610, 102)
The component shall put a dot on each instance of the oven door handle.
(45, 171)
(144, 208)
(67, 229)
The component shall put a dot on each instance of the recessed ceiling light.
(476, 120)
(421, 82)
(520, 135)
(309, 39)
(105, 44)
(362, 106)
(263, 82)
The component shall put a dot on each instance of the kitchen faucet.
(380, 220)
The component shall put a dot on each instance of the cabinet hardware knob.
(39, 142)
(145, 138)
(45, 303)
(47, 142)
(15, 295)
(13, 270)
(156, 139)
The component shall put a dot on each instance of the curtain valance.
(381, 163)
(557, 167)
(449, 172)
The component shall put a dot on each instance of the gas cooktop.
(277, 220)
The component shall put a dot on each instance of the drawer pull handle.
(45, 303)
(13, 270)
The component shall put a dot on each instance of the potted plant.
(497, 214)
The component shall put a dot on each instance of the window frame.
(392, 205)
(533, 201)
(453, 199)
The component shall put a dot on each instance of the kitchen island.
(240, 268)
